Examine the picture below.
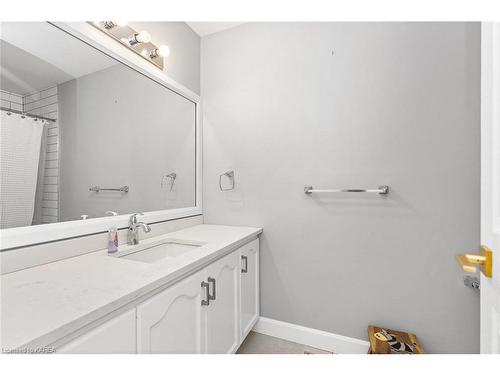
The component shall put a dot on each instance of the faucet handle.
(133, 217)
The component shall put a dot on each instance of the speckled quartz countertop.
(41, 305)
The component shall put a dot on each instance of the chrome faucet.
(133, 229)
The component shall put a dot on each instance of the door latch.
(472, 282)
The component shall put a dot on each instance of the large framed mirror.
(89, 137)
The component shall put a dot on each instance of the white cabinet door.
(173, 321)
(116, 336)
(223, 333)
(249, 284)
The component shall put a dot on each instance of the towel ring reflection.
(172, 176)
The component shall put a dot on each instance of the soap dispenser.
(112, 240)
(112, 236)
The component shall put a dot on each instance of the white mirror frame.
(37, 234)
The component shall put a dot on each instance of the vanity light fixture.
(140, 37)
(162, 51)
(137, 41)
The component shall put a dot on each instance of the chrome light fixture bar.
(137, 41)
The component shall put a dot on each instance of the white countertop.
(43, 304)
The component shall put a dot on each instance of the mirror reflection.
(83, 135)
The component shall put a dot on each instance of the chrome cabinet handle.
(211, 297)
(207, 301)
(245, 260)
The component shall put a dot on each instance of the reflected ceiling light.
(140, 37)
(162, 51)
(108, 25)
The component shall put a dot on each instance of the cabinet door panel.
(116, 336)
(249, 274)
(223, 312)
(173, 320)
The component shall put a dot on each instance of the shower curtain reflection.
(38, 205)
(20, 142)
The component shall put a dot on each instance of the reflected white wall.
(121, 128)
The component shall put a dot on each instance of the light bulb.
(163, 50)
(143, 37)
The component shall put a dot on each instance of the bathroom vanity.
(195, 290)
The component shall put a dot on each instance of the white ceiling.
(36, 55)
(207, 28)
(23, 73)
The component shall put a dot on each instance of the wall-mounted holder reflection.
(168, 179)
(230, 176)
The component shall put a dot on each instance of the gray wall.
(183, 64)
(358, 105)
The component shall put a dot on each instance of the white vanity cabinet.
(199, 314)
(223, 325)
(249, 284)
(116, 336)
(210, 311)
(173, 321)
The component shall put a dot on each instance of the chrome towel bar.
(383, 190)
(97, 189)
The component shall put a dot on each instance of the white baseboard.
(312, 337)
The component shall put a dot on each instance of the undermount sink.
(153, 252)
